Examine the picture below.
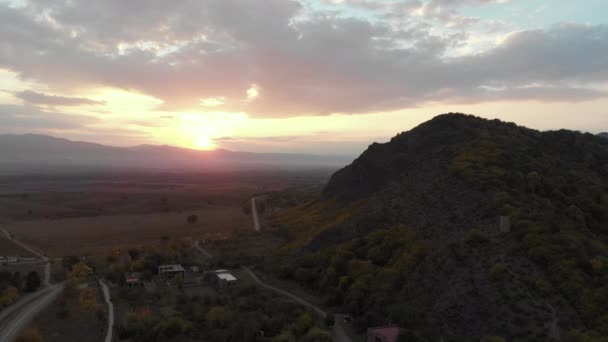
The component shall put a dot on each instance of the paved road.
(338, 332)
(47, 266)
(106, 295)
(254, 214)
(17, 316)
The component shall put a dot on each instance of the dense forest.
(409, 233)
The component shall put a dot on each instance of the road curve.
(22, 245)
(338, 331)
(254, 214)
(47, 266)
(16, 317)
(106, 295)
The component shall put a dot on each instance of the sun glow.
(204, 143)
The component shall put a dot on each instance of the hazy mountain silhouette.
(603, 135)
(31, 152)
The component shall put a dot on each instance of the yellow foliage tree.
(219, 316)
(79, 273)
(9, 296)
(30, 335)
(88, 299)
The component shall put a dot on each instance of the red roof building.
(389, 333)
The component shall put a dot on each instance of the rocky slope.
(409, 233)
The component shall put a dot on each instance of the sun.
(204, 143)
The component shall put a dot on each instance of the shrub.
(330, 320)
(476, 237)
(497, 272)
(30, 335)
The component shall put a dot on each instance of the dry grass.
(97, 235)
(8, 248)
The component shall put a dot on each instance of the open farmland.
(97, 235)
(80, 215)
(8, 248)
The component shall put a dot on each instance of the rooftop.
(225, 275)
(388, 333)
(170, 268)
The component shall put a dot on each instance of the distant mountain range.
(604, 135)
(40, 153)
(410, 233)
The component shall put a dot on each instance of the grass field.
(98, 235)
(8, 248)
(91, 214)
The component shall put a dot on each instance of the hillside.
(603, 135)
(31, 153)
(409, 233)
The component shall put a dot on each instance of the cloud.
(36, 98)
(25, 117)
(301, 61)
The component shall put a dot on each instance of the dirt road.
(338, 332)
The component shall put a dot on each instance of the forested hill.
(409, 233)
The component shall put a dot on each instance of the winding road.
(106, 295)
(47, 266)
(338, 332)
(15, 317)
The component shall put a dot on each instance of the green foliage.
(497, 272)
(219, 316)
(493, 339)
(303, 222)
(317, 335)
(330, 320)
(362, 275)
(477, 238)
(9, 296)
(559, 209)
(585, 336)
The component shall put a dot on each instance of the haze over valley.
(304, 171)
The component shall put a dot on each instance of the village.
(171, 289)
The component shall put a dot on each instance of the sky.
(305, 76)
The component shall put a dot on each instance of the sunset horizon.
(316, 75)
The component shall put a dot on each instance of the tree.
(304, 322)
(134, 253)
(219, 316)
(30, 335)
(9, 296)
(88, 299)
(317, 335)
(32, 281)
(330, 320)
(192, 219)
(79, 273)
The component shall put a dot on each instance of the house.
(168, 272)
(134, 279)
(224, 278)
(389, 333)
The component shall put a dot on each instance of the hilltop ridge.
(420, 215)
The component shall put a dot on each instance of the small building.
(134, 279)
(168, 272)
(389, 333)
(224, 278)
(504, 224)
